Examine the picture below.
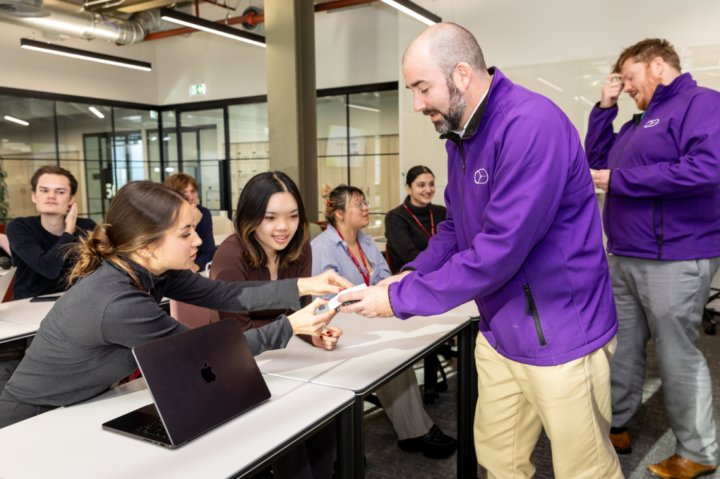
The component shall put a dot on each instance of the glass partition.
(332, 148)
(375, 153)
(249, 147)
(27, 142)
(202, 151)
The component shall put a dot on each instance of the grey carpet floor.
(653, 440)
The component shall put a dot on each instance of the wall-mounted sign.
(153, 114)
(197, 89)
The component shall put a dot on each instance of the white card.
(337, 301)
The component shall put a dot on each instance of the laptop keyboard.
(155, 428)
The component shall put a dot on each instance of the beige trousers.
(571, 401)
(403, 404)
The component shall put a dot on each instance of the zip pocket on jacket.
(532, 309)
(658, 237)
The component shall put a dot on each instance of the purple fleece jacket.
(522, 236)
(664, 196)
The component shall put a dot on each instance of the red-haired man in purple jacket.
(662, 219)
(523, 239)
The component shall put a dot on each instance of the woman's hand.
(327, 283)
(306, 322)
(328, 339)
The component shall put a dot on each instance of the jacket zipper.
(658, 237)
(532, 309)
(462, 201)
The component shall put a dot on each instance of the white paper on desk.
(336, 301)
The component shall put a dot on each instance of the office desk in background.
(70, 442)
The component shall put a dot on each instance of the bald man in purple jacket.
(522, 239)
(662, 219)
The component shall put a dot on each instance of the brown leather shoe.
(678, 467)
(621, 442)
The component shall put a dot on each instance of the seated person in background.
(186, 184)
(123, 270)
(39, 244)
(352, 254)
(271, 242)
(409, 227)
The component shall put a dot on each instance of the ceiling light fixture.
(84, 55)
(16, 120)
(96, 111)
(211, 27)
(542, 80)
(363, 108)
(415, 11)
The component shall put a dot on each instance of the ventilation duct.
(22, 8)
(73, 21)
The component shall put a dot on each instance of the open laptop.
(5, 281)
(198, 379)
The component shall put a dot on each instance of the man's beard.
(648, 89)
(450, 121)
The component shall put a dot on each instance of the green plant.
(4, 195)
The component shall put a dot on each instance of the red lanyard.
(365, 274)
(432, 222)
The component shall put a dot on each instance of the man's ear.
(462, 76)
(72, 200)
(658, 66)
(32, 197)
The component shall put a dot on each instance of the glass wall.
(249, 147)
(202, 147)
(106, 147)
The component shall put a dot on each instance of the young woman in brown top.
(271, 242)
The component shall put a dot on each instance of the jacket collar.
(147, 279)
(682, 83)
(499, 87)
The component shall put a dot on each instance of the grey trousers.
(664, 300)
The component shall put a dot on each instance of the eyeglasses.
(363, 205)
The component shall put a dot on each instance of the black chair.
(709, 314)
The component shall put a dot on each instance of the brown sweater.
(229, 265)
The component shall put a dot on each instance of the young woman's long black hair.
(250, 213)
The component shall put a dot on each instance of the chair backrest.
(189, 315)
(5, 243)
(322, 224)
(389, 259)
(222, 225)
(315, 231)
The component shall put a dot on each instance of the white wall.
(353, 47)
(31, 70)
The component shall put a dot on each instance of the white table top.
(368, 350)
(469, 309)
(70, 442)
(10, 331)
(25, 312)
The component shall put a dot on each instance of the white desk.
(25, 312)
(70, 442)
(371, 353)
(12, 331)
(369, 349)
(467, 309)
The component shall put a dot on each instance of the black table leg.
(345, 444)
(467, 463)
(359, 437)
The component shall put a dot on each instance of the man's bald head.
(448, 45)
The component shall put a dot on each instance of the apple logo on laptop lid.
(207, 373)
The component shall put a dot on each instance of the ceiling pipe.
(253, 19)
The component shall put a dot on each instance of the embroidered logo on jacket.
(481, 176)
(652, 123)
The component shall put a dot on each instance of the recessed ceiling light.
(96, 111)
(415, 11)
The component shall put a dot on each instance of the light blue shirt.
(329, 251)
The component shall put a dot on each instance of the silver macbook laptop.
(198, 380)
